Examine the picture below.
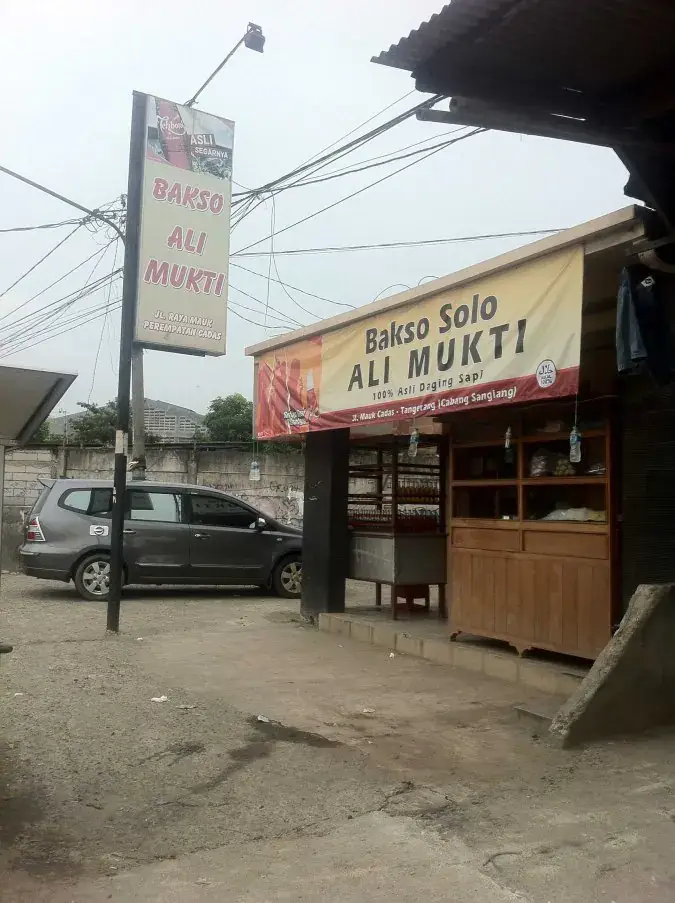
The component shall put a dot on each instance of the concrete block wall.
(279, 492)
(23, 469)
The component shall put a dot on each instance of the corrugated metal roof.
(441, 29)
(592, 46)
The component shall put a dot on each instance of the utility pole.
(129, 298)
(129, 293)
(138, 466)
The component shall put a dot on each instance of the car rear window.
(40, 501)
(96, 502)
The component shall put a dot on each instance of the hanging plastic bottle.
(254, 472)
(575, 445)
(508, 448)
(414, 442)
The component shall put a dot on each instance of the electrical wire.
(64, 299)
(399, 150)
(379, 181)
(100, 338)
(65, 222)
(327, 159)
(262, 303)
(44, 328)
(293, 287)
(262, 325)
(276, 268)
(52, 284)
(37, 320)
(339, 174)
(357, 127)
(250, 205)
(335, 249)
(47, 331)
(41, 260)
(340, 151)
(37, 317)
(283, 323)
(53, 335)
(273, 219)
(36, 327)
(92, 314)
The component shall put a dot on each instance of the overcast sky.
(68, 70)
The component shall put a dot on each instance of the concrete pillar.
(193, 464)
(325, 540)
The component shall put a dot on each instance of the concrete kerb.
(541, 676)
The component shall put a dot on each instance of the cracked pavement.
(288, 764)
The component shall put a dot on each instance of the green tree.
(230, 419)
(95, 426)
(42, 434)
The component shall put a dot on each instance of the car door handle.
(201, 535)
(128, 532)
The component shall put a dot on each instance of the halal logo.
(172, 127)
(546, 374)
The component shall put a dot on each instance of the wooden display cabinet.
(531, 538)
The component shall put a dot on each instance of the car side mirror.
(260, 523)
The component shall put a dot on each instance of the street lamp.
(253, 38)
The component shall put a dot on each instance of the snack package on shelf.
(545, 463)
(577, 514)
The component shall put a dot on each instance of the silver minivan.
(173, 534)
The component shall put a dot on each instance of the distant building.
(168, 422)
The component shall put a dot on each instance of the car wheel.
(92, 577)
(287, 579)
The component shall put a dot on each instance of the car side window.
(211, 511)
(96, 502)
(155, 506)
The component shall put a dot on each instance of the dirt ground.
(288, 764)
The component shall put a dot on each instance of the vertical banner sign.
(506, 338)
(184, 229)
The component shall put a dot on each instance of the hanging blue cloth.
(643, 338)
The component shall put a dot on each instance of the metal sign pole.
(129, 297)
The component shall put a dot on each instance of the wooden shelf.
(486, 523)
(486, 443)
(546, 526)
(562, 437)
(465, 484)
(536, 583)
(564, 481)
(566, 526)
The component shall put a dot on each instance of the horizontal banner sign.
(504, 339)
(185, 229)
